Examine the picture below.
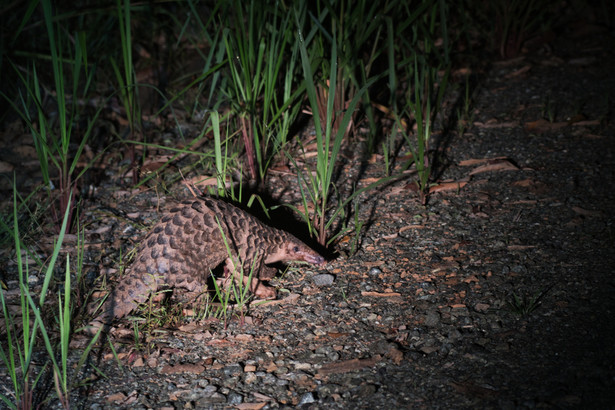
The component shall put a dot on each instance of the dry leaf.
(541, 126)
(518, 72)
(462, 72)
(189, 328)
(381, 295)
(493, 124)
(250, 406)
(586, 212)
(584, 123)
(524, 182)
(335, 335)
(6, 167)
(183, 368)
(520, 247)
(282, 169)
(474, 390)
(458, 306)
(476, 161)
(498, 165)
(448, 186)
(405, 228)
(116, 397)
(244, 337)
(262, 397)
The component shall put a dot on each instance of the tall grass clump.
(59, 136)
(507, 24)
(425, 66)
(261, 82)
(26, 328)
(127, 80)
(193, 31)
(331, 124)
(359, 31)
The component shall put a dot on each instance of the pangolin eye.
(296, 249)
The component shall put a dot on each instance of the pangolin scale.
(183, 248)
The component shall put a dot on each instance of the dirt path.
(499, 295)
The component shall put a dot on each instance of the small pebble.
(432, 318)
(232, 370)
(306, 399)
(323, 279)
(375, 271)
(234, 399)
(250, 378)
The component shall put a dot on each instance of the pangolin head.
(292, 250)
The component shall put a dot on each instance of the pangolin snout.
(315, 259)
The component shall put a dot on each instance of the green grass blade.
(56, 251)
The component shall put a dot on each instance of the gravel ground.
(499, 294)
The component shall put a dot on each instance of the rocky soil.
(498, 294)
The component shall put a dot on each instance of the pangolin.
(183, 248)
